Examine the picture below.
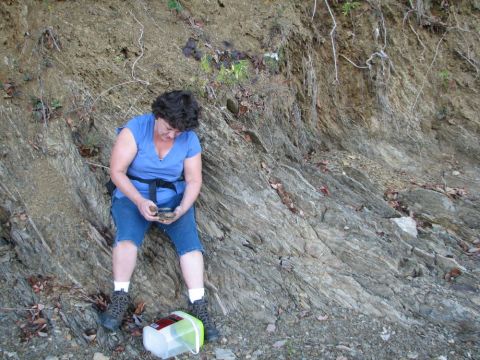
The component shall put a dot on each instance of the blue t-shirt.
(147, 164)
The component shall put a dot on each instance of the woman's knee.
(192, 255)
(125, 246)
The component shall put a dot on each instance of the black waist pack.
(153, 184)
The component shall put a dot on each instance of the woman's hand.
(148, 209)
(179, 212)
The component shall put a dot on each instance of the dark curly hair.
(178, 108)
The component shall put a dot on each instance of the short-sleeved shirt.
(148, 165)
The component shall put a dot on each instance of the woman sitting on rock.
(156, 164)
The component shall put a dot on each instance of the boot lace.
(120, 301)
(201, 311)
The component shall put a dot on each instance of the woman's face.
(165, 131)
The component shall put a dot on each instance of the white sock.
(119, 285)
(196, 294)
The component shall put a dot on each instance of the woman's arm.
(192, 171)
(123, 153)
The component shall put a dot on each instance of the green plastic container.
(175, 334)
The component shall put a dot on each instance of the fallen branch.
(9, 193)
(381, 54)
(351, 62)
(418, 38)
(135, 79)
(98, 165)
(23, 309)
(332, 33)
(314, 9)
(214, 289)
(140, 43)
(428, 71)
(109, 89)
(39, 234)
(384, 29)
(471, 61)
(52, 36)
(45, 109)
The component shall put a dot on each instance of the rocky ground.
(340, 208)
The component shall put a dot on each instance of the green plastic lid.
(191, 331)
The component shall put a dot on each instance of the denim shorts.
(131, 225)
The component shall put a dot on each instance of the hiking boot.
(112, 318)
(200, 311)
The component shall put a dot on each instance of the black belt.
(153, 184)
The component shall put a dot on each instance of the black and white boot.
(112, 318)
(199, 309)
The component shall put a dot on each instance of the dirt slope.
(314, 142)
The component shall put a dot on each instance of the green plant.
(205, 63)
(445, 77)
(27, 77)
(235, 74)
(349, 6)
(119, 59)
(197, 86)
(55, 104)
(174, 5)
(40, 110)
(272, 62)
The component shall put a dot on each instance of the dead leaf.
(39, 321)
(119, 349)
(242, 109)
(324, 190)
(69, 122)
(136, 332)
(274, 184)
(9, 88)
(140, 308)
(453, 273)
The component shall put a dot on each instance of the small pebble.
(279, 343)
(271, 328)
(224, 354)
(100, 356)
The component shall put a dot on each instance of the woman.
(156, 164)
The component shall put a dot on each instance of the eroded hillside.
(327, 128)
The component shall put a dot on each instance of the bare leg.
(124, 258)
(191, 264)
